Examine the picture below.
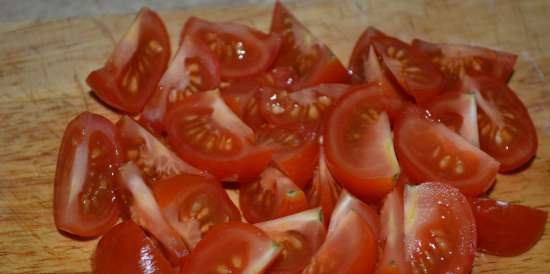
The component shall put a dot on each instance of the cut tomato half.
(272, 196)
(429, 151)
(193, 204)
(233, 247)
(85, 203)
(300, 236)
(136, 65)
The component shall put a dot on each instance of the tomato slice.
(295, 149)
(457, 61)
(272, 196)
(312, 60)
(232, 247)
(126, 249)
(440, 231)
(351, 233)
(208, 135)
(414, 72)
(242, 51)
(361, 59)
(136, 65)
(193, 204)
(323, 190)
(429, 151)
(348, 203)
(506, 130)
(153, 158)
(304, 106)
(392, 259)
(85, 203)
(146, 212)
(194, 68)
(458, 111)
(505, 229)
(358, 144)
(300, 236)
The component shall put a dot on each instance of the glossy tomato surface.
(132, 72)
(85, 203)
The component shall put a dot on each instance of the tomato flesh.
(323, 190)
(85, 203)
(348, 203)
(505, 229)
(136, 65)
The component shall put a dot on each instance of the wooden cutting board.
(43, 66)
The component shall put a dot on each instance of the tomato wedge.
(323, 190)
(457, 61)
(352, 234)
(207, 134)
(233, 247)
(193, 204)
(358, 144)
(458, 111)
(126, 249)
(152, 157)
(348, 203)
(241, 50)
(194, 68)
(312, 60)
(440, 230)
(84, 201)
(146, 212)
(506, 130)
(429, 151)
(416, 75)
(136, 65)
(505, 229)
(300, 236)
(361, 59)
(272, 196)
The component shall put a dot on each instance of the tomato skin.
(505, 229)
(440, 230)
(234, 246)
(136, 65)
(126, 249)
(192, 204)
(252, 51)
(85, 203)
(429, 151)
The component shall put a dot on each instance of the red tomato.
(458, 111)
(506, 130)
(132, 72)
(429, 151)
(304, 106)
(207, 134)
(312, 60)
(300, 236)
(241, 51)
(233, 247)
(347, 203)
(323, 190)
(361, 59)
(193, 69)
(193, 204)
(440, 231)
(84, 200)
(295, 149)
(349, 249)
(505, 229)
(414, 72)
(456, 61)
(146, 212)
(392, 259)
(358, 144)
(126, 249)
(272, 196)
(152, 157)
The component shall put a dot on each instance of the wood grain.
(43, 66)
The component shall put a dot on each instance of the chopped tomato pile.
(384, 167)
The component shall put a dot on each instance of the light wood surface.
(43, 66)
